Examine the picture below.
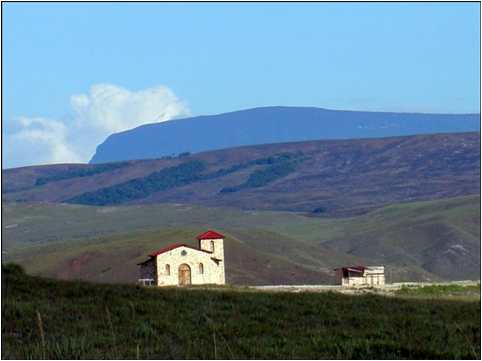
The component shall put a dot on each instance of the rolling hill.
(328, 178)
(271, 125)
(435, 240)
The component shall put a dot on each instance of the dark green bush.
(83, 172)
(164, 179)
(12, 269)
(277, 166)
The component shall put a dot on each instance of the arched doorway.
(184, 275)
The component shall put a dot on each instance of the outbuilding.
(371, 276)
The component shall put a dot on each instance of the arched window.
(201, 268)
(212, 246)
(168, 270)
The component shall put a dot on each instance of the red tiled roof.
(210, 234)
(174, 246)
(357, 269)
(353, 269)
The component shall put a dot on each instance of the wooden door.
(184, 275)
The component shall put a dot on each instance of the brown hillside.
(339, 177)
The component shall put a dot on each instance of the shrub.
(278, 166)
(164, 179)
(319, 210)
(82, 172)
(12, 269)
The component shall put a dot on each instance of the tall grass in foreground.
(44, 318)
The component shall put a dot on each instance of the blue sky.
(61, 61)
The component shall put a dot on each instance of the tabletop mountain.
(271, 125)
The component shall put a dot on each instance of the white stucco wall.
(373, 276)
(355, 281)
(213, 273)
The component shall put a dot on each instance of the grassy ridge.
(162, 180)
(417, 241)
(185, 173)
(80, 172)
(42, 318)
(335, 178)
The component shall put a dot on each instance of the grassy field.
(427, 241)
(453, 291)
(43, 318)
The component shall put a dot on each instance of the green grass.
(411, 239)
(455, 290)
(43, 318)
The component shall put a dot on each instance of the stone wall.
(207, 244)
(168, 266)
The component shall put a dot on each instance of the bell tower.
(213, 242)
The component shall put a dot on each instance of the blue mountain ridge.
(271, 125)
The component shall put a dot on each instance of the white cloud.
(106, 109)
(111, 108)
(39, 141)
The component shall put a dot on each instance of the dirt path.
(387, 289)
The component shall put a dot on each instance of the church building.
(183, 265)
